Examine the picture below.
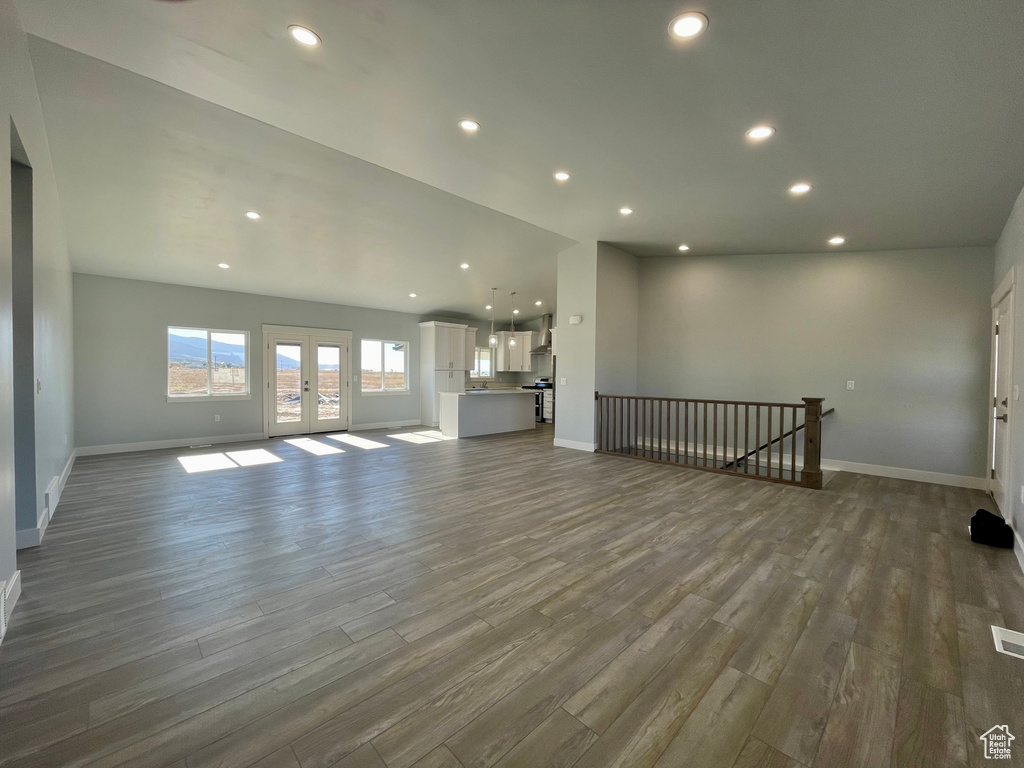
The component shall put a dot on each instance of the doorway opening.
(29, 525)
(1003, 392)
(307, 389)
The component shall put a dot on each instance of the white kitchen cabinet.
(516, 358)
(470, 348)
(444, 365)
(449, 346)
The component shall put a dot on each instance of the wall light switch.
(849, 385)
(216, 417)
(1016, 393)
(1022, 494)
(562, 381)
(39, 386)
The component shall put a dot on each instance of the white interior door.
(1002, 397)
(307, 377)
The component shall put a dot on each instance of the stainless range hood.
(544, 348)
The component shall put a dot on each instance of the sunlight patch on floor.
(413, 437)
(313, 446)
(207, 462)
(254, 458)
(436, 434)
(358, 442)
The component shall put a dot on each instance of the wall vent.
(1008, 642)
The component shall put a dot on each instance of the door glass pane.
(289, 387)
(370, 355)
(328, 359)
(227, 354)
(186, 362)
(394, 366)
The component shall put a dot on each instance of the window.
(206, 363)
(385, 366)
(483, 364)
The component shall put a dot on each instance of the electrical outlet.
(849, 385)
(1022, 494)
(216, 417)
(562, 381)
(1016, 393)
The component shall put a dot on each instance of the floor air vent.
(1010, 643)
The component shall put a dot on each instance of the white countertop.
(508, 391)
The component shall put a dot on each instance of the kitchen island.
(486, 412)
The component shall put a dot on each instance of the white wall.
(577, 346)
(618, 300)
(1010, 253)
(121, 358)
(911, 328)
(19, 103)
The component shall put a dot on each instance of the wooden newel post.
(810, 476)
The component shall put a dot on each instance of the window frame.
(476, 364)
(377, 392)
(210, 395)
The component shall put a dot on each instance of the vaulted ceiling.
(168, 120)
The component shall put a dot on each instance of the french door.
(307, 380)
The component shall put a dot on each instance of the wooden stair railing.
(775, 440)
(681, 430)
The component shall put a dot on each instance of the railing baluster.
(769, 441)
(746, 439)
(792, 450)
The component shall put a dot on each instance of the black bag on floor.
(990, 529)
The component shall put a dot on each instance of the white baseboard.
(67, 471)
(13, 592)
(386, 425)
(899, 473)
(153, 445)
(878, 470)
(1018, 548)
(25, 538)
(575, 445)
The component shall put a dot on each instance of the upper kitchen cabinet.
(516, 358)
(470, 348)
(443, 345)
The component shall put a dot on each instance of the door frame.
(1006, 288)
(269, 368)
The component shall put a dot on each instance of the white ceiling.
(904, 116)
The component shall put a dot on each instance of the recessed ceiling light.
(562, 176)
(464, 266)
(800, 188)
(837, 240)
(488, 307)
(538, 303)
(688, 25)
(684, 247)
(469, 126)
(515, 311)
(625, 211)
(252, 215)
(222, 265)
(760, 132)
(305, 36)
(412, 295)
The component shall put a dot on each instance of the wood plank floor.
(500, 602)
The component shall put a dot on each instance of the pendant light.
(492, 340)
(512, 335)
